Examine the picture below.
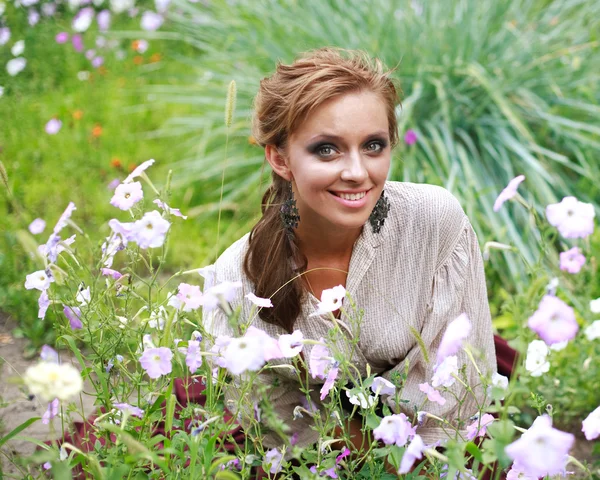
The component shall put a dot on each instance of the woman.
(406, 253)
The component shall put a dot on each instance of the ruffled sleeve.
(458, 286)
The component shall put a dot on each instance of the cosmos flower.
(151, 21)
(53, 126)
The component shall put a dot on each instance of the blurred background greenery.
(491, 88)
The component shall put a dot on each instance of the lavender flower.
(291, 344)
(43, 304)
(478, 427)
(37, 226)
(77, 41)
(432, 394)
(456, 332)
(381, 386)
(62, 37)
(108, 272)
(270, 346)
(259, 302)
(572, 260)
(329, 382)
(51, 411)
(103, 19)
(331, 300)
(591, 425)
(273, 460)
(157, 361)
(190, 297)
(193, 357)
(554, 321)
(73, 314)
(129, 409)
(243, 354)
(83, 19)
(38, 280)
(150, 231)
(444, 373)
(318, 360)
(151, 21)
(127, 195)
(413, 452)
(394, 430)
(172, 211)
(574, 219)
(224, 291)
(509, 192)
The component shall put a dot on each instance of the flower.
(329, 381)
(479, 426)
(49, 380)
(331, 299)
(345, 453)
(270, 346)
(498, 381)
(273, 460)
(413, 452)
(83, 296)
(77, 41)
(137, 171)
(151, 21)
(432, 394)
(536, 363)
(51, 411)
(394, 430)
(119, 6)
(172, 211)
(62, 37)
(574, 219)
(53, 126)
(517, 472)
(318, 360)
(103, 19)
(258, 301)
(15, 65)
(97, 62)
(444, 373)
(381, 386)
(127, 195)
(542, 450)
(572, 260)
(140, 46)
(509, 192)
(189, 296)
(83, 19)
(595, 305)
(18, 48)
(243, 354)
(193, 357)
(48, 354)
(224, 291)
(150, 230)
(37, 226)
(291, 344)
(157, 361)
(591, 425)
(360, 399)
(33, 17)
(43, 304)
(456, 332)
(4, 35)
(108, 272)
(73, 314)
(38, 280)
(129, 409)
(66, 215)
(410, 137)
(554, 321)
(592, 332)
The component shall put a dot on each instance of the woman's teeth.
(351, 196)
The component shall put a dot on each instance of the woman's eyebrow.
(337, 138)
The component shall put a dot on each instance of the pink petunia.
(394, 430)
(127, 195)
(189, 296)
(456, 332)
(432, 394)
(572, 260)
(319, 360)
(479, 427)
(413, 452)
(193, 357)
(77, 41)
(554, 321)
(139, 170)
(572, 218)
(157, 361)
(329, 382)
(62, 37)
(509, 192)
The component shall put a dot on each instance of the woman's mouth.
(351, 199)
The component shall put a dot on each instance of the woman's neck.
(321, 245)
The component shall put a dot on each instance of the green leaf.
(475, 451)
(372, 420)
(18, 430)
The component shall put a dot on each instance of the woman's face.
(339, 159)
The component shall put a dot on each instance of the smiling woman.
(405, 253)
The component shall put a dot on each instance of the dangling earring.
(379, 213)
(289, 213)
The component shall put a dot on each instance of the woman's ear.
(278, 162)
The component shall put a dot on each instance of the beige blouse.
(422, 270)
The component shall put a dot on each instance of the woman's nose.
(354, 169)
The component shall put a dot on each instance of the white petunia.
(536, 362)
(38, 280)
(18, 48)
(15, 66)
(47, 381)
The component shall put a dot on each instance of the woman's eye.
(375, 147)
(325, 151)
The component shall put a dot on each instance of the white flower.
(1, 91)
(83, 75)
(127, 195)
(38, 280)
(242, 354)
(15, 66)
(331, 299)
(38, 225)
(158, 318)
(595, 305)
(150, 230)
(291, 345)
(258, 301)
(558, 346)
(18, 48)
(381, 386)
(119, 6)
(498, 381)
(139, 170)
(361, 399)
(536, 358)
(122, 321)
(592, 332)
(83, 19)
(591, 425)
(47, 381)
(443, 373)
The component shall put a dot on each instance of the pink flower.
(190, 296)
(224, 291)
(517, 472)
(319, 360)
(270, 346)
(432, 394)
(329, 382)
(574, 219)
(413, 452)
(113, 184)
(193, 357)
(542, 450)
(410, 137)
(157, 361)
(4, 35)
(150, 231)
(127, 195)
(108, 272)
(103, 19)
(381, 386)
(97, 61)
(77, 41)
(509, 192)
(51, 411)
(37, 226)
(43, 304)
(479, 426)
(53, 126)
(130, 409)
(243, 354)
(139, 170)
(345, 453)
(554, 321)
(394, 430)
(258, 301)
(33, 17)
(572, 260)
(443, 375)
(172, 211)
(591, 425)
(456, 332)
(89, 54)
(62, 37)
(151, 21)
(48, 354)
(291, 344)
(73, 314)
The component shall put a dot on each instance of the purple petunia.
(319, 360)
(73, 314)
(329, 382)
(127, 195)
(53, 126)
(37, 226)
(50, 412)
(150, 231)
(129, 409)
(572, 260)
(432, 394)
(62, 37)
(193, 357)
(479, 427)
(157, 361)
(394, 430)
(413, 452)
(43, 304)
(554, 321)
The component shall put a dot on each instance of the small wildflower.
(53, 126)
(381, 386)
(151, 21)
(591, 425)
(509, 192)
(73, 314)
(572, 260)
(172, 211)
(291, 344)
(51, 411)
(410, 137)
(331, 300)
(37, 226)
(273, 460)
(554, 321)
(127, 195)
(38, 280)
(479, 426)
(536, 362)
(130, 409)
